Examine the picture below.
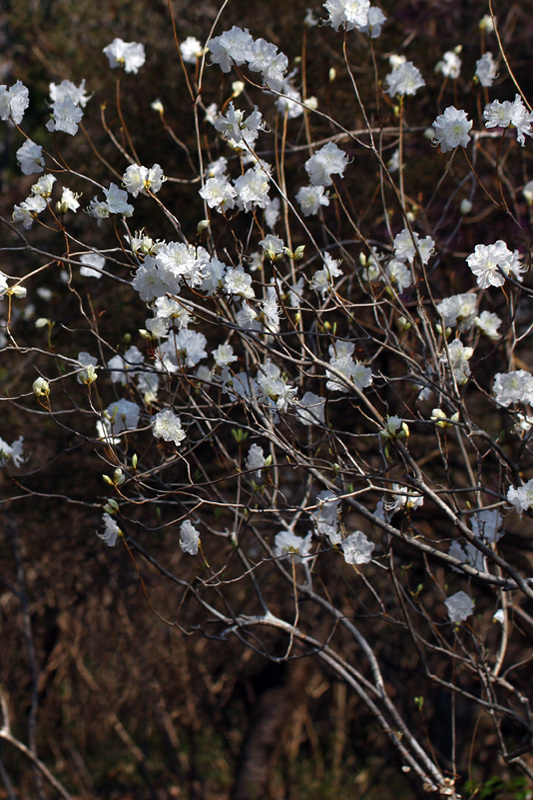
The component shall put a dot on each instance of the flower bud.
(41, 387)
(403, 324)
(111, 506)
(237, 88)
(88, 375)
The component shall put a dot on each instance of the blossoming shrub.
(298, 352)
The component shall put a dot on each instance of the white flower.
(376, 18)
(119, 366)
(354, 371)
(513, 387)
(407, 244)
(311, 198)
(521, 119)
(68, 201)
(217, 167)
(458, 308)
(486, 69)
(137, 179)
(357, 549)
(12, 451)
(145, 245)
(457, 358)
(323, 279)
(289, 545)
(521, 498)
(189, 538)
(129, 55)
(211, 113)
(460, 606)
(514, 113)
(329, 160)
(326, 517)
(117, 201)
(272, 212)
(488, 323)
(68, 89)
(256, 460)
(30, 157)
(498, 115)
(224, 355)
(252, 189)
(238, 282)
(452, 129)
(403, 498)
(93, 265)
(28, 210)
(232, 47)
(265, 58)
(111, 530)
(399, 274)
(404, 79)
(487, 525)
(14, 102)
(44, 185)
(214, 272)
(348, 13)
(310, 409)
(450, 66)
(270, 312)
(98, 209)
(469, 555)
(190, 346)
(167, 425)
(121, 415)
(274, 386)
(241, 133)
(148, 384)
(218, 193)
(273, 246)
(179, 261)
(491, 263)
(150, 281)
(66, 116)
(191, 50)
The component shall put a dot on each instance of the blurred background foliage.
(127, 706)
